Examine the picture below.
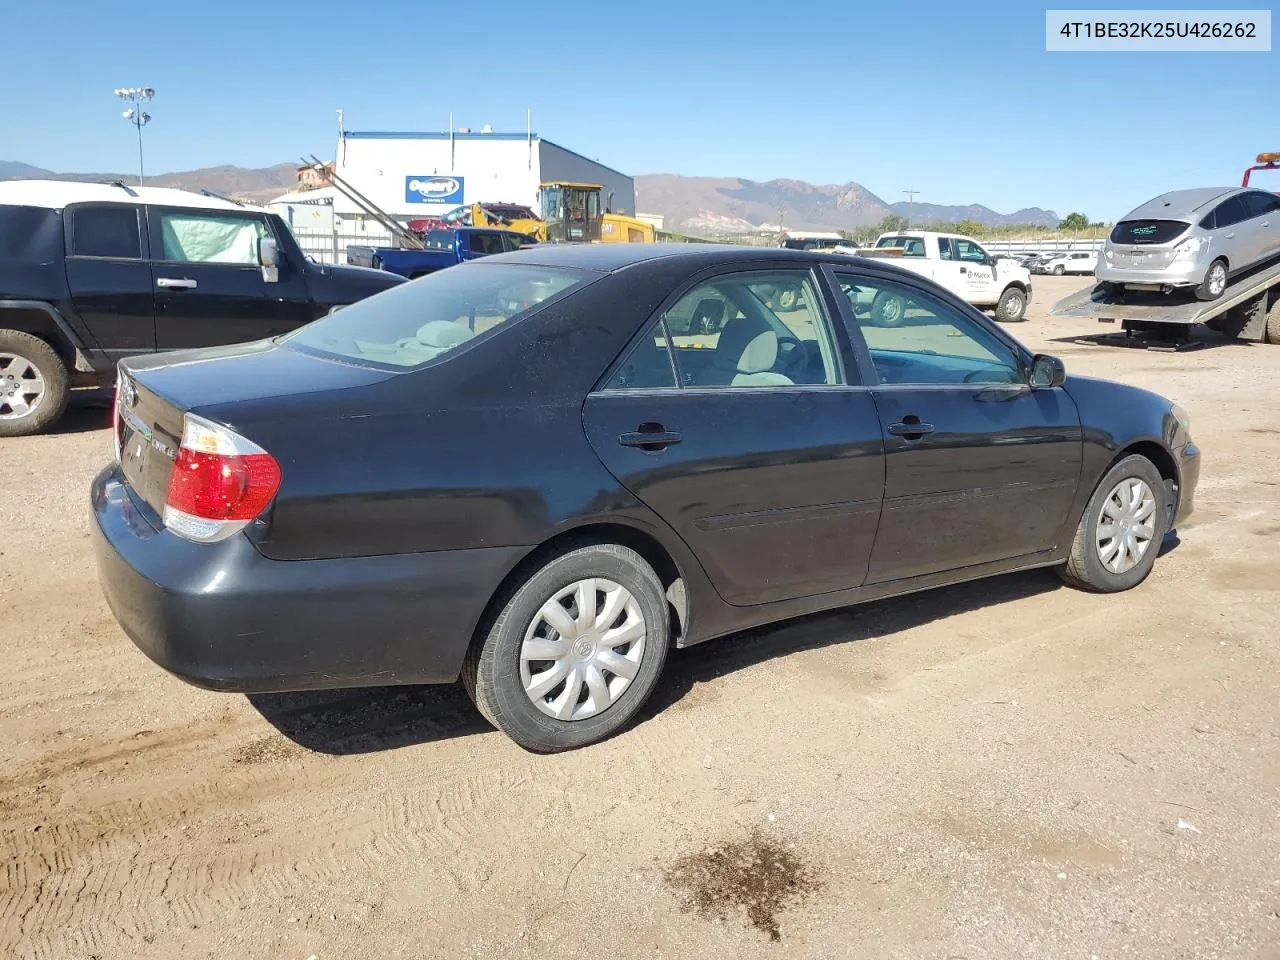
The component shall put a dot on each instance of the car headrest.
(710, 309)
(760, 354)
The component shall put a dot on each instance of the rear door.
(749, 441)
(978, 467)
(1264, 222)
(209, 285)
(108, 275)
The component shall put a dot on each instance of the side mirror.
(268, 258)
(1046, 372)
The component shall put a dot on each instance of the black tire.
(1273, 322)
(1084, 569)
(1114, 291)
(888, 309)
(1012, 306)
(44, 411)
(491, 673)
(1059, 270)
(1217, 273)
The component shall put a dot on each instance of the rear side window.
(1147, 231)
(106, 232)
(415, 323)
(1230, 211)
(30, 234)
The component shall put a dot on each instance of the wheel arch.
(42, 321)
(646, 544)
(1164, 461)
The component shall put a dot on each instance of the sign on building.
(433, 189)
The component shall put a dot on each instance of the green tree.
(971, 228)
(893, 223)
(1074, 221)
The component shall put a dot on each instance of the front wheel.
(1058, 270)
(1214, 284)
(1119, 534)
(1012, 306)
(574, 651)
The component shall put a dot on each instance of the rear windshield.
(1147, 231)
(414, 323)
(30, 234)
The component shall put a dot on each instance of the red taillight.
(215, 486)
(220, 482)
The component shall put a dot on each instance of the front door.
(108, 276)
(734, 422)
(977, 273)
(978, 466)
(209, 285)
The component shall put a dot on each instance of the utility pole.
(136, 115)
(911, 201)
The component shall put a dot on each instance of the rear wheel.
(574, 652)
(1012, 306)
(1119, 535)
(1214, 284)
(34, 386)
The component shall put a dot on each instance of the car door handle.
(1266, 223)
(172, 283)
(912, 429)
(651, 437)
(1231, 236)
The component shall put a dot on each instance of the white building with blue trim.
(412, 175)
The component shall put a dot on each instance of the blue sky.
(957, 100)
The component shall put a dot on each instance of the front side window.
(969, 251)
(106, 232)
(517, 241)
(413, 324)
(764, 328)
(200, 237)
(914, 338)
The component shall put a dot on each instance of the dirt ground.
(1004, 769)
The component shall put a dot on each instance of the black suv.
(93, 272)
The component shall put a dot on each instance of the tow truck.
(1248, 310)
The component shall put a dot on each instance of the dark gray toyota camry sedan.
(540, 471)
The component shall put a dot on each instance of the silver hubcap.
(21, 387)
(1217, 279)
(582, 649)
(1012, 305)
(891, 310)
(1125, 530)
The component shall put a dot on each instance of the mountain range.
(733, 205)
(699, 205)
(255, 185)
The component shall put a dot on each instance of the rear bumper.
(224, 617)
(1181, 275)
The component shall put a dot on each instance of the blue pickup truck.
(443, 248)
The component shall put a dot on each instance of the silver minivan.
(1192, 238)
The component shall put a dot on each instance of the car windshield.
(1147, 231)
(415, 323)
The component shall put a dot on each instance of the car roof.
(1179, 203)
(56, 194)
(610, 257)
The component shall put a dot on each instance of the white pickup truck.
(962, 266)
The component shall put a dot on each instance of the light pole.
(136, 115)
(911, 202)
